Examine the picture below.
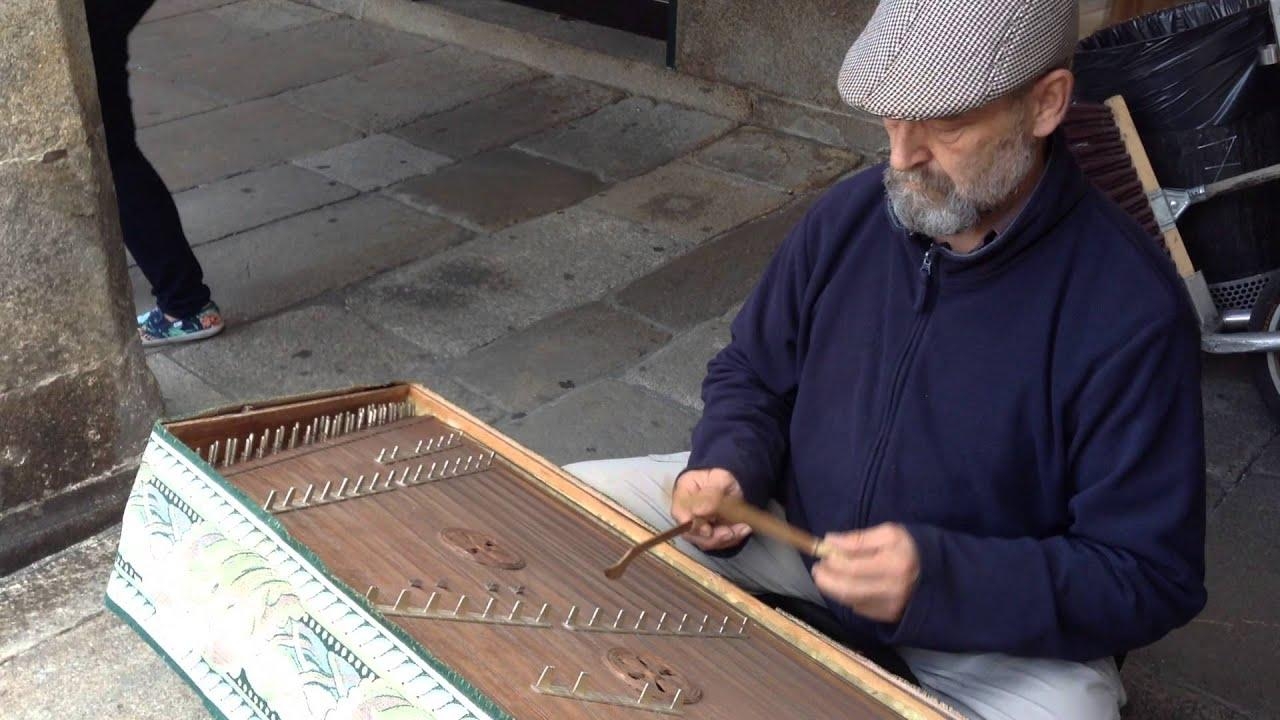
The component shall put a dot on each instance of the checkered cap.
(920, 59)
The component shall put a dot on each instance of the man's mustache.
(935, 184)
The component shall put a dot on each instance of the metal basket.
(1241, 294)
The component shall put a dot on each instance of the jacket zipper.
(899, 380)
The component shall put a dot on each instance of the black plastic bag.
(1190, 66)
(1206, 110)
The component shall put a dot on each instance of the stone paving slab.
(716, 275)
(391, 94)
(352, 8)
(268, 16)
(184, 392)
(294, 58)
(551, 25)
(503, 118)
(1234, 646)
(373, 162)
(232, 140)
(253, 199)
(155, 45)
(497, 189)
(782, 161)
(540, 363)
(54, 595)
(171, 8)
(1237, 426)
(628, 138)
(1150, 698)
(318, 347)
(158, 99)
(473, 294)
(272, 267)
(677, 370)
(606, 420)
(100, 669)
(687, 201)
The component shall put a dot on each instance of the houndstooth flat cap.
(920, 59)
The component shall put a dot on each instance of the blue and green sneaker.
(156, 328)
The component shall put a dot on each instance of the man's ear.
(1050, 98)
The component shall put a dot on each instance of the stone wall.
(76, 399)
(791, 49)
(788, 52)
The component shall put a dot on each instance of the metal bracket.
(225, 453)
(1168, 205)
(579, 691)
(684, 628)
(474, 464)
(456, 614)
(424, 448)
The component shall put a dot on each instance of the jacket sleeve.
(1129, 567)
(750, 386)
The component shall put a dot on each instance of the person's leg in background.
(148, 217)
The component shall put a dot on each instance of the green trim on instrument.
(460, 683)
(120, 612)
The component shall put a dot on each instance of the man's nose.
(907, 148)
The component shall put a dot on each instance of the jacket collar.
(1059, 190)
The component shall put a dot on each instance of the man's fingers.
(718, 541)
(850, 544)
(872, 571)
(859, 570)
(705, 504)
(861, 593)
(696, 496)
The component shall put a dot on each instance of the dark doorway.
(649, 18)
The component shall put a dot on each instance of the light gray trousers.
(986, 686)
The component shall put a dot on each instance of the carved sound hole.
(481, 548)
(638, 669)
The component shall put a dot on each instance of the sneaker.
(156, 328)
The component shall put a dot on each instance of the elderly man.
(971, 373)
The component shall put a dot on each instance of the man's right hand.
(696, 496)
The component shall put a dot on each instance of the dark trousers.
(148, 217)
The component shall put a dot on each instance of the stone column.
(76, 399)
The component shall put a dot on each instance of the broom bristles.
(1095, 141)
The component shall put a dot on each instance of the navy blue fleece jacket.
(1030, 412)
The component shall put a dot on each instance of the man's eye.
(948, 130)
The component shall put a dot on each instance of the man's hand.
(873, 571)
(696, 496)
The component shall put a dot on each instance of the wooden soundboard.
(491, 559)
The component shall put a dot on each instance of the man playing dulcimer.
(970, 374)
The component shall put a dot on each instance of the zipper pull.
(926, 274)
(926, 267)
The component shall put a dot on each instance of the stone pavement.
(557, 256)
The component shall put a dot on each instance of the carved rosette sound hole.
(481, 548)
(640, 669)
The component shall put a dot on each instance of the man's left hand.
(873, 571)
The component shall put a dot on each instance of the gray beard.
(995, 181)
